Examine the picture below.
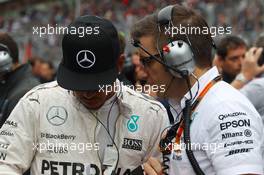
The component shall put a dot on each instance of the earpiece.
(5, 59)
(177, 53)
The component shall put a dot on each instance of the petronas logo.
(132, 125)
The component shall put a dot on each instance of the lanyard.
(195, 104)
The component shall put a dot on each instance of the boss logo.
(133, 144)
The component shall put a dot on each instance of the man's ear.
(218, 62)
(120, 62)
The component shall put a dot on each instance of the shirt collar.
(123, 101)
(210, 75)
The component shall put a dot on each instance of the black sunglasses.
(146, 61)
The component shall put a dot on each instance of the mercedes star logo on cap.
(57, 115)
(85, 58)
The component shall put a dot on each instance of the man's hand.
(250, 67)
(152, 167)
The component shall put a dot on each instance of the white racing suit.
(47, 128)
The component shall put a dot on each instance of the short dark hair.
(11, 44)
(202, 43)
(32, 60)
(227, 43)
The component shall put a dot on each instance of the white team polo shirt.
(226, 132)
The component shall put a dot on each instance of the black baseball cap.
(89, 60)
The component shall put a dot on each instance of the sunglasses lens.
(146, 61)
(143, 62)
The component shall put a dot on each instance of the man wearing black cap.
(86, 122)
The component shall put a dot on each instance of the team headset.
(178, 57)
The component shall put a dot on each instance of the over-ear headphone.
(5, 59)
(177, 53)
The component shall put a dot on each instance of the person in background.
(132, 71)
(42, 69)
(47, 72)
(15, 78)
(253, 66)
(122, 74)
(229, 55)
(35, 63)
(140, 74)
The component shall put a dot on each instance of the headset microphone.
(137, 43)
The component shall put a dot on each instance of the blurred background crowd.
(42, 54)
(246, 17)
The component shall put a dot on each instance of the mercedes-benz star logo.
(57, 115)
(85, 58)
